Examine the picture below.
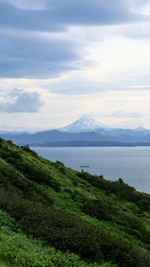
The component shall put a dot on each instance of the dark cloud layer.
(24, 56)
(58, 14)
(21, 101)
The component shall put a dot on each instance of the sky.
(61, 59)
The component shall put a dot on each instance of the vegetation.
(51, 215)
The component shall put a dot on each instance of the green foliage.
(99, 208)
(61, 167)
(17, 250)
(99, 220)
(28, 166)
(7, 221)
(59, 163)
(64, 231)
(118, 188)
(27, 149)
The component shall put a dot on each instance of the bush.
(18, 250)
(120, 189)
(7, 221)
(26, 148)
(99, 208)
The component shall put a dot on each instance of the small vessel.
(83, 167)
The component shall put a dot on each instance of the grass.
(59, 217)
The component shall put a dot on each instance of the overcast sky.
(60, 59)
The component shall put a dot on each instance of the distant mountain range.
(83, 132)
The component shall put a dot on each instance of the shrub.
(99, 208)
(26, 148)
(120, 189)
(7, 221)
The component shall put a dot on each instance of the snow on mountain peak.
(84, 124)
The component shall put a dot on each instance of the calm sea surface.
(131, 164)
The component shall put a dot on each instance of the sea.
(132, 164)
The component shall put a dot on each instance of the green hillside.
(51, 215)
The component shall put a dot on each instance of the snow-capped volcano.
(84, 124)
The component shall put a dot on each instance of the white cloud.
(19, 101)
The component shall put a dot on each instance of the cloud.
(56, 14)
(80, 85)
(124, 114)
(139, 31)
(27, 53)
(34, 56)
(19, 101)
(25, 4)
(75, 86)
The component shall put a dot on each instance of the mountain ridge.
(83, 129)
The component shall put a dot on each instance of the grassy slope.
(96, 219)
(16, 249)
